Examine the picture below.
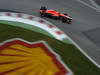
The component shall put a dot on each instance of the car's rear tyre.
(42, 15)
(42, 11)
(43, 8)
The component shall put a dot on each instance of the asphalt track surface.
(97, 1)
(85, 29)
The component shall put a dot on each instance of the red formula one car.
(65, 18)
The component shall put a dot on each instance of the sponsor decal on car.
(20, 57)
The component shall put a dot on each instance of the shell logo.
(18, 57)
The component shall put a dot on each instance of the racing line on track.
(95, 4)
(86, 4)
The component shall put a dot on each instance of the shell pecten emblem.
(18, 57)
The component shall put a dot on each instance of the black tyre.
(42, 15)
(64, 20)
(65, 14)
(43, 8)
(69, 21)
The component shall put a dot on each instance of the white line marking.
(88, 5)
(93, 61)
(94, 3)
(34, 23)
(83, 52)
(27, 21)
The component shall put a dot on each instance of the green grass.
(32, 28)
(26, 26)
(70, 55)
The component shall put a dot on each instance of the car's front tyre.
(65, 20)
(69, 21)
